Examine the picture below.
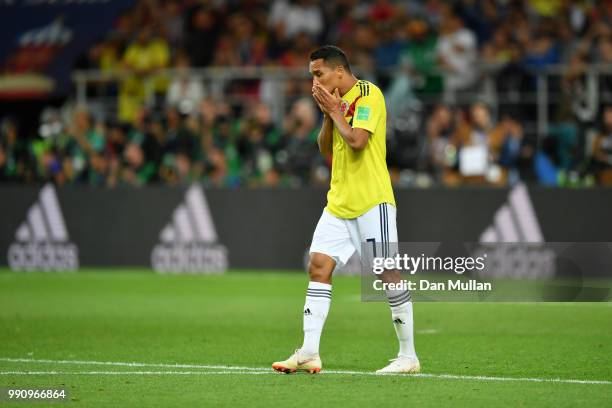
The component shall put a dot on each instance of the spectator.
(482, 125)
(258, 146)
(541, 52)
(141, 59)
(117, 139)
(602, 149)
(136, 171)
(176, 169)
(297, 56)
(172, 22)
(90, 138)
(154, 141)
(604, 59)
(382, 11)
(342, 14)
(482, 17)
(225, 144)
(297, 16)
(442, 145)
(14, 155)
(202, 37)
(301, 148)
(106, 56)
(579, 91)
(565, 135)
(98, 171)
(545, 8)
(389, 47)
(498, 50)
(457, 54)
(420, 56)
(473, 142)
(247, 42)
(179, 137)
(513, 83)
(257, 159)
(226, 53)
(545, 163)
(504, 148)
(185, 92)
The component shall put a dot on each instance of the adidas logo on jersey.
(399, 321)
(521, 251)
(307, 312)
(188, 243)
(42, 239)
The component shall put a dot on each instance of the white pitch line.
(474, 377)
(133, 372)
(130, 364)
(526, 379)
(265, 370)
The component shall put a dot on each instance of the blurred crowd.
(428, 56)
(214, 148)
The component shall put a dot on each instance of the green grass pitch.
(250, 319)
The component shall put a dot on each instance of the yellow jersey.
(360, 179)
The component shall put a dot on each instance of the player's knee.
(320, 268)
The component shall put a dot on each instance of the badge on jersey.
(344, 106)
(363, 113)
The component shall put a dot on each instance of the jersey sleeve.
(367, 112)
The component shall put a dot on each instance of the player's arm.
(326, 136)
(356, 138)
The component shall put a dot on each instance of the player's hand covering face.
(327, 102)
(324, 80)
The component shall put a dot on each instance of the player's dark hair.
(332, 56)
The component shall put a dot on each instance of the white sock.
(401, 315)
(318, 299)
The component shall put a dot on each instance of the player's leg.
(316, 308)
(318, 300)
(378, 227)
(400, 303)
(331, 246)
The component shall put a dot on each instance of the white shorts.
(338, 238)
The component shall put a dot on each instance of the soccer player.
(360, 204)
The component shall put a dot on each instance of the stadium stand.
(218, 92)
